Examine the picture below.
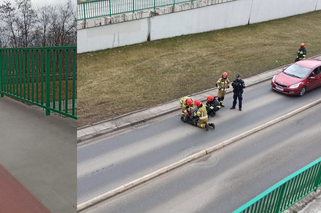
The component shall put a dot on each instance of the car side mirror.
(311, 78)
(283, 69)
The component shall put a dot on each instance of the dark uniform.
(212, 107)
(302, 53)
(238, 85)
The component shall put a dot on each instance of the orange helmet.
(210, 98)
(198, 103)
(224, 74)
(302, 45)
(189, 102)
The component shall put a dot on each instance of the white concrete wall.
(201, 20)
(110, 36)
(318, 7)
(264, 10)
(225, 15)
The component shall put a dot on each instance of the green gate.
(44, 76)
(287, 192)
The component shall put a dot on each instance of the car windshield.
(297, 71)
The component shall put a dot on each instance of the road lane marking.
(202, 153)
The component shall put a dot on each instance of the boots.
(221, 101)
(211, 125)
(206, 127)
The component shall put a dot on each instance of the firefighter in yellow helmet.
(222, 85)
(202, 116)
(187, 107)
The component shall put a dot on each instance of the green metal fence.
(100, 8)
(45, 77)
(287, 192)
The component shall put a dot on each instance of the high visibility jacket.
(202, 112)
(183, 100)
(223, 83)
(302, 53)
(185, 108)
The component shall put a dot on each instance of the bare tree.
(24, 26)
(8, 18)
(26, 21)
(44, 22)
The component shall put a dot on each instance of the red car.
(298, 78)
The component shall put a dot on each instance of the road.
(107, 163)
(225, 180)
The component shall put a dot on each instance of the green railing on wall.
(44, 76)
(100, 8)
(287, 192)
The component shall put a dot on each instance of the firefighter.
(302, 53)
(201, 114)
(222, 85)
(238, 85)
(187, 107)
(212, 106)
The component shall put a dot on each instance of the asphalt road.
(112, 161)
(225, 180)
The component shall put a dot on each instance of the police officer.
(302, 53)
(238, 85)
(222, 85)
(202, 117)
(212, 105)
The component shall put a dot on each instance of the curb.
(188, 159)
(132, 118)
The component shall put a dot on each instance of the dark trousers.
(237, 96)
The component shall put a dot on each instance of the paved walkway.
(40, 152)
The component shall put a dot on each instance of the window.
(297, 71)
(315, 72)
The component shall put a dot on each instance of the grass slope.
(116, 81)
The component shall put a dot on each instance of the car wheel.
(302, 91)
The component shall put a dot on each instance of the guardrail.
(44, 76)
(287, 192)
(100, 8)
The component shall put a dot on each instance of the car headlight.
(273, 78)
(295, 85)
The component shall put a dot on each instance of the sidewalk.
(132, 118)
(40, 152)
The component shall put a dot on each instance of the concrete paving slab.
(142, 115)
(41, 153)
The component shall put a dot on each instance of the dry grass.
(116, 81)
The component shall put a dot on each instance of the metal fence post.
(110, 8)
(280, 198)
(1, 79)
(155, 5)
(84, 15)
(48, 82)
(318, 179)
(133, 6)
